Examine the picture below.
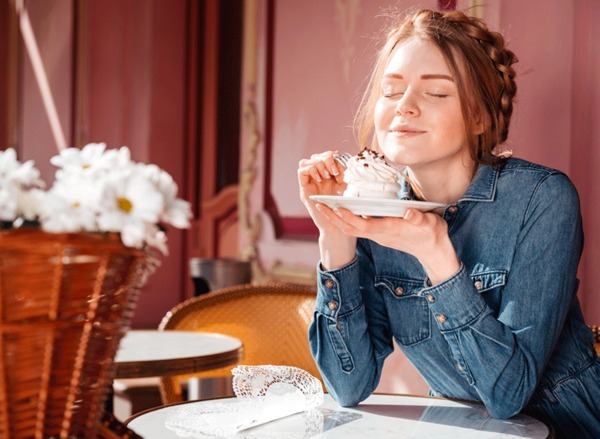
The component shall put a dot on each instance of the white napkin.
(264, 393)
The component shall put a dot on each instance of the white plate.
(375, 206)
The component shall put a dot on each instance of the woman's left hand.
(421, 234)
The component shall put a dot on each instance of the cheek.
(451, 124)
(382, 117)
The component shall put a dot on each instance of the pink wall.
(136, 97)
(541, 125)
(56, 50)
(585, 143)
(557, 109)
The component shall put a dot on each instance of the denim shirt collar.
(483, 185)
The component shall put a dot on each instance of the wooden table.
(148, 353)
(380, 416)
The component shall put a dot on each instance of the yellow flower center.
(75, 204)
(86, 165)
(124, 204)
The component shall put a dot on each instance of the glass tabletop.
(379, 416)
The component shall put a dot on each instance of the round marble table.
(148, 353)
(379, 416)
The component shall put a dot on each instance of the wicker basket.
(65, 302)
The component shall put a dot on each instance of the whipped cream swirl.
(368, 175)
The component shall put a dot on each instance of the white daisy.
(16, 181)
(80, 189)
(8, 204)
(129, 201)
(90, 159)
(156, 238)
(60, 215)
(177, 212)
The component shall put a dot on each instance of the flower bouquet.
(95, 190)
(72, 261)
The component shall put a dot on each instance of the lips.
(402, 130)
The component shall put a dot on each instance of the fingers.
(428, 223)
(350, 223)
(320, 167)
(424, 221)
(336, 216)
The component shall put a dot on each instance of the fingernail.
(334, 170)
(337, 212)
(408, 214)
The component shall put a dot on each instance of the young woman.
(482, 297)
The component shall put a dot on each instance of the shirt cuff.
(455, 302)
(338, 291)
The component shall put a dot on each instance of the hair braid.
(493, 45)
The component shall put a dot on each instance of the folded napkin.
(264, 393)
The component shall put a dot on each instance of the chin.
(393, 157)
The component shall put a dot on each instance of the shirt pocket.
(489, 283)
(408, 312)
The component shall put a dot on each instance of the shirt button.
(430, 298)
(441, 318)
(459, 367)
(329, 283)
(478, 285)
(332, 305)
(452, 209)
(399, 291)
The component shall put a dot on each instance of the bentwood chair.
(270, 319)
(596, 332)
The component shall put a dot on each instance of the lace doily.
(264, 393)
(257, 381)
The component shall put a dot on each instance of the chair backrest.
(271, 319)
(596, 332)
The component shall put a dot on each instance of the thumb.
(413, 216)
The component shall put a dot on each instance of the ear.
(478, 128)
(482, 122)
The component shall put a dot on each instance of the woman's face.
(418, 118)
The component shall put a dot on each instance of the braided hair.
(480, 64)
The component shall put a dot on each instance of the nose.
(406, 105)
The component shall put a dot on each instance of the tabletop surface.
(379, 416)
(144, 353)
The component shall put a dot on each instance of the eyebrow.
(428, 76)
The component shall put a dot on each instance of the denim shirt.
(505, 330)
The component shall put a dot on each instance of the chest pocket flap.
(407, 309)
(487, 279)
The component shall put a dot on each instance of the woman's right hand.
(321, 174)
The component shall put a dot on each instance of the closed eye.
(393, 95)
